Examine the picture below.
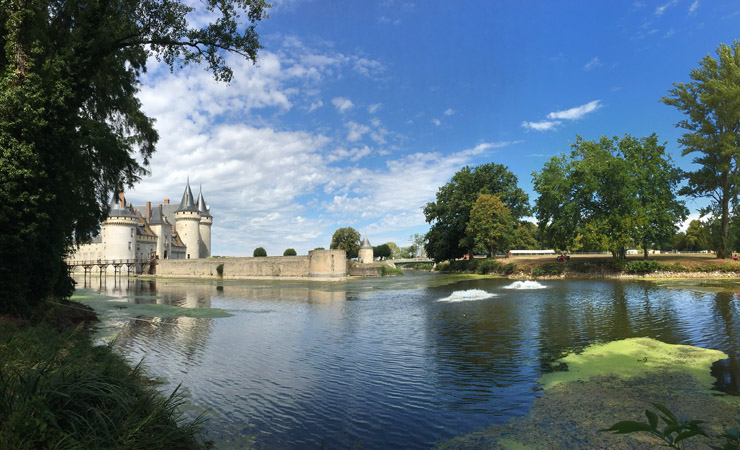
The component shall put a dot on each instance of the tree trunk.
(645, 254)
(724, 251)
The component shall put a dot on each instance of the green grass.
(57, 390)
(386, 271)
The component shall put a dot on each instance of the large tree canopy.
(71, 125)
(490, 224)
(711, 103)
(450, 213)
(347, 239)
(611, 194)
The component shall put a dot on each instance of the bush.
(578, 267)
(388, 271)
(645, 266)
(489, 266)
(220, 270)
(259, 252)
(289, 252)
(549, 269)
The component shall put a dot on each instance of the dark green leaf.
(628, 426)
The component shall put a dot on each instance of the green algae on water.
(120, 306)
(634, 357)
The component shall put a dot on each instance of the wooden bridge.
(147, 266)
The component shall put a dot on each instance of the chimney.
(148, 211)
(122, 199)
(173, 229)
(166, 201)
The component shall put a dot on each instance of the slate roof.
(365, 243)
(203, 206)
(187, 203)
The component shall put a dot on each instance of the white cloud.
(593, 63)
(449, 112)
(436, 122)
(575, 113)
(375, 107)
(356, 131)
(661, 9)
(544, 125)
(694, 6)
(342, 104)
(315, 105)
(368, 67)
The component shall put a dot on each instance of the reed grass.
(59, 391)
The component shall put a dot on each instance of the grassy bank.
(598, 266)
(57, 390)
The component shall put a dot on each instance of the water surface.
(399, 362)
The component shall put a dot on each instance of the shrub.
(289, 252)
(489, 266)
(508, 269)
(259, 252)
(644, 266)
(387, 270)
(220, 270)
(548, 269)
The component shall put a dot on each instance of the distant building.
(165, 231)
(365, 255)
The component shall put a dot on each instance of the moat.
(401, 362)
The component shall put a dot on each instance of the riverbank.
(58, 390)
(599, 267)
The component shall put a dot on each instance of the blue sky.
(356, 112)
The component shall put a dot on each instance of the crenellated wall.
(317, 265)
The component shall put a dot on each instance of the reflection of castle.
(166, 231)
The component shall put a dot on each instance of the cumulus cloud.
(342, 104)
(576, 113)
(449, 112)
(694, 6)
(355, 131)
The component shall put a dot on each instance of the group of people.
(563, 258)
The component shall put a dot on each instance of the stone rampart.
(317, 265)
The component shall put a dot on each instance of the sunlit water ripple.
(365, 364)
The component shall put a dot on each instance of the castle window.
(129, 245)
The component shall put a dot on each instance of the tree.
(382, 251)
(697, 236)
(259, 252)
(71, 124)
(613, 193)
(418, 241)
(347, 239)
(491, 223)
(713, 134)
(395, 251)
(289, 252)
(525, 237)
(450, 213)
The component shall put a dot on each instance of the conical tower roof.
(365, 243)
(202, 205)
(187, 203)
(116, 210)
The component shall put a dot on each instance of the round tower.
(187, 221)
(163, 229)
(119, 232)
(206, 220)
(365, 255)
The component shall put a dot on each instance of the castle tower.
(119, 231)
(365, 255)
(187, 223)
(206, 220)
(163, 229)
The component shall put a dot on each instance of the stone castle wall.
(317, 265)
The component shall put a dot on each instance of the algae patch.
(121, 307)
(634, 357)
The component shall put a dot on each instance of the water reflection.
(385, 364)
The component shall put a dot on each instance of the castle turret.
(187, 223)
(119, 231)
(206, 220)
(365, 255)
(163, 229)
